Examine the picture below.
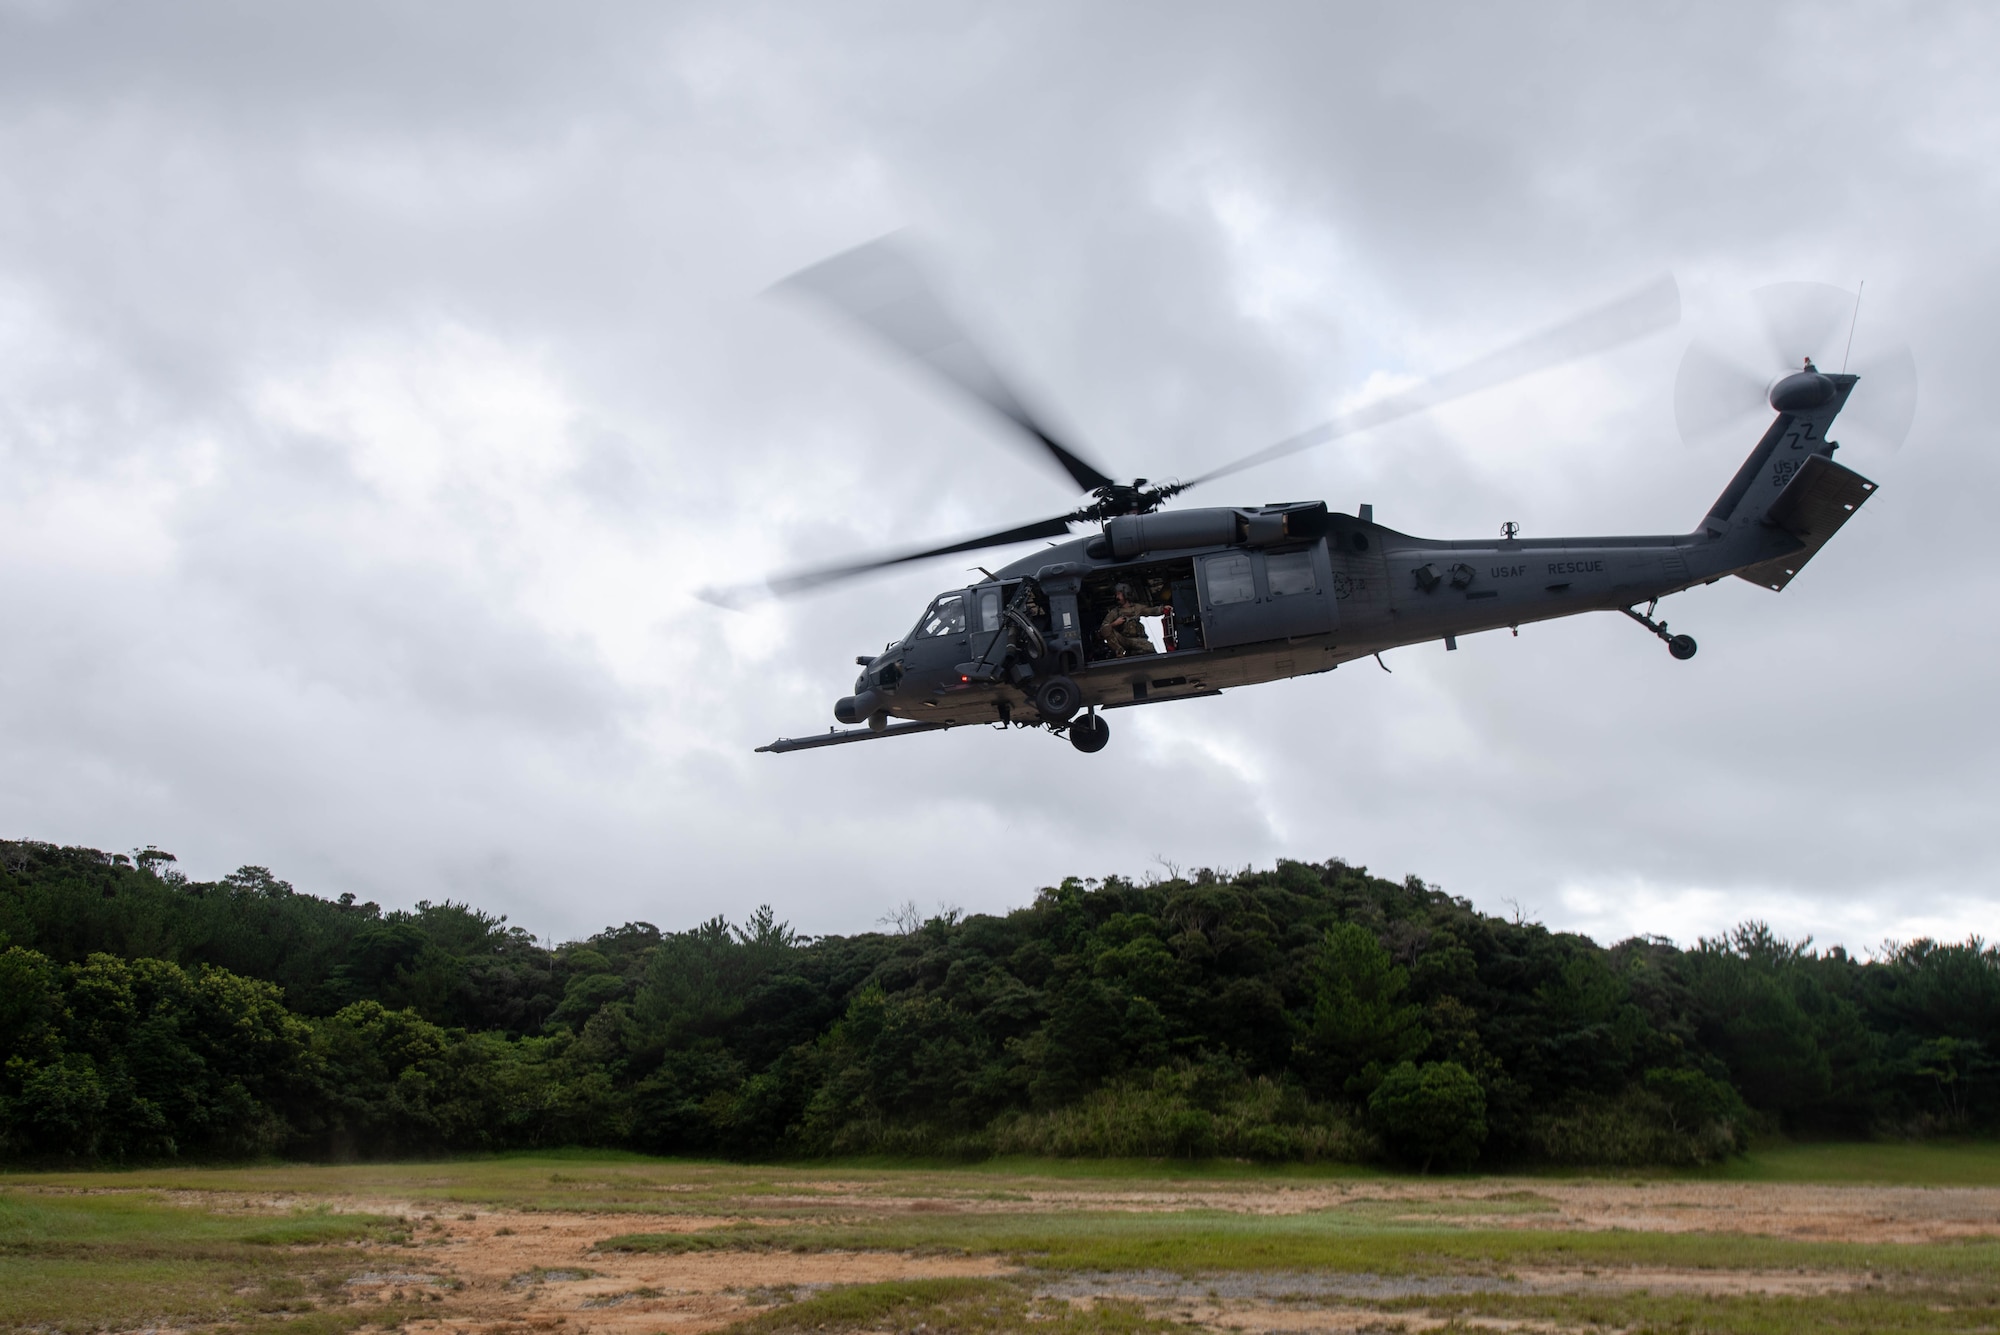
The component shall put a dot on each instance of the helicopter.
(1257, 593)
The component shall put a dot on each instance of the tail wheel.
(1057, 699)
(1089, 734)
(1681, 647)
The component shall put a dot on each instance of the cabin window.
(1290, 573)
(1228, 578)
(989, 609)
(946, 617)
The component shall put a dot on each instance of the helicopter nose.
(855, 708)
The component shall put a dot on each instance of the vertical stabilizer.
(1789, 497)
(1806, 404)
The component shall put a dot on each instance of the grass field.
(1966, 1164)
(76, 1262)
(1827, 1238)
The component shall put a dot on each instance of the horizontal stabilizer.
(1821, 497)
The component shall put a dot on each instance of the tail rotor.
(1722, 388)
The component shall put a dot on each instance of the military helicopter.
(1251, 594)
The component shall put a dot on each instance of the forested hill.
(1309, 1011)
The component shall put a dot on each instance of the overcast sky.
(377, 384)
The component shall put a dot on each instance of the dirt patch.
(1300, 1288)
(510, 1271)
(1254, 1319)
(1866, 1214)
(1711, 1283)
(468, 1269)
(1274, 1301)
(1807, 1213)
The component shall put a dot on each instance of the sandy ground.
(505, 1272)
(1819, 1214)
(511, 1272)
(1806, 1213)
(479, 1271)
(1812, 1213)
(1274, 1303)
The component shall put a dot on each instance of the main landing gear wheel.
(1089, 734)
(1681, 647)
(1057, 699)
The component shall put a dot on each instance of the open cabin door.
(1248, 595)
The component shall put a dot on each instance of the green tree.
(1360, 1025)
(1697, 1102)
(1430, 1114)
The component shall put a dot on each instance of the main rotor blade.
(880, 288)
(1643, 311)
(804, 581)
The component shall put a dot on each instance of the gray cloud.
(376, 385)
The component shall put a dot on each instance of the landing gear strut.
(1680, 646)
(1090, 733)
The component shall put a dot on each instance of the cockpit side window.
(946, 617)
(989, 608)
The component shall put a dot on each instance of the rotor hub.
(1139, 497)
(1802, 391)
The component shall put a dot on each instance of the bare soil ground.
(1279, 1302)
(503, 1271)
(1810, 1213)
(509, 1272)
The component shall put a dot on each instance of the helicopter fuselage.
(1247, 614)
(1257, 594)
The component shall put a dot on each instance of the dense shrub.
(1171, 1115)
(1430, 1114)
(1637, 1126)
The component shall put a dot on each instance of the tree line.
(1306, 1011)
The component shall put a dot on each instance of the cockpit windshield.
(946, 617)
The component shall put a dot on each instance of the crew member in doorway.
(1032, 608)
(1122, 628)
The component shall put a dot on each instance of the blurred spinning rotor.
(880, 288)
(1726, 373)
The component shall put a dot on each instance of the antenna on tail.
(1851, 323)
